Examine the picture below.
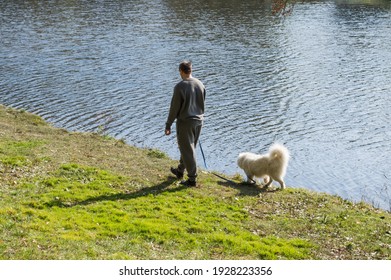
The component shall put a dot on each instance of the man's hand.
(168, 131)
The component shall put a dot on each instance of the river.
(317, 80)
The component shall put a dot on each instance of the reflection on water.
(317, 80)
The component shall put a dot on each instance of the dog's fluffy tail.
(279, 152)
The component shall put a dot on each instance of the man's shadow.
(155, 190)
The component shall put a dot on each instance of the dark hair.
(185, 66)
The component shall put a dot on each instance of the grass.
(79, 196)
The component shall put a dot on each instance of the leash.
(203, 155)
(206, 167)
(214, 173)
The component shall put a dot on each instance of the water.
(317, 80)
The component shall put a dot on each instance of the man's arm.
(176, 103)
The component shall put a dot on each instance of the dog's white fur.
(270, 166)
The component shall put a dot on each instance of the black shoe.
(188, 183)
(175, 171)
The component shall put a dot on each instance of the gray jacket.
(188, 102)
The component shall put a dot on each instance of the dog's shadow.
(246, 189)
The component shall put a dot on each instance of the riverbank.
(67, 195)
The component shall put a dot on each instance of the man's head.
(185, 67)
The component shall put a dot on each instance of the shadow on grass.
(245, 189)
(154, 190)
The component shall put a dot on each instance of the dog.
(270, 166)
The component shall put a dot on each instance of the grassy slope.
(84, 196)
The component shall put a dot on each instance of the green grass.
(87, 196)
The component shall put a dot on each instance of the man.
(187, 107)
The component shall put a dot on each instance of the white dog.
(271, 166)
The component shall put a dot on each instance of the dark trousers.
(188, 133)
